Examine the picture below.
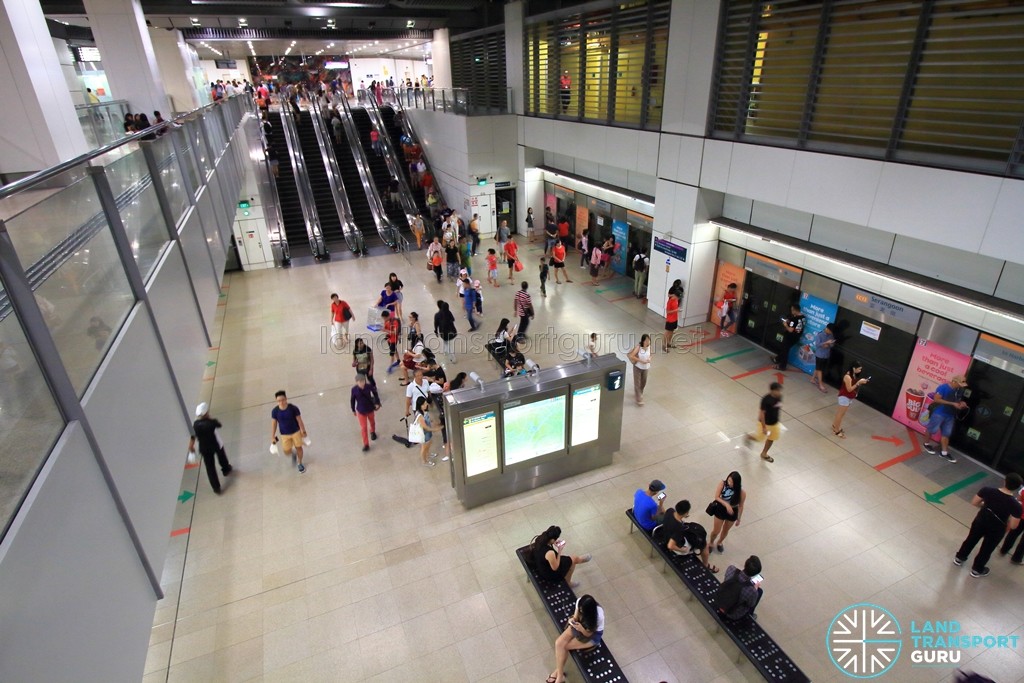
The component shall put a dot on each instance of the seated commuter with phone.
(741, 590)
(683, 537)
(649, 505)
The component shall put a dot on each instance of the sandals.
(841, 434)
(767, 458)
(713, 569)
(551, 679)
(720, 548)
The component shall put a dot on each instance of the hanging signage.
(879, 308)
(84, 53)
(777, 271)
(817, 313)
(1000, 353)
(931, 365)
(670, 249)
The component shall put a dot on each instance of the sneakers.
(429, 463)
(302, 468)
(930, 447)
(446, 458)
(373, 436)
(366, 447)
(980, 573)
(957, 561)
(949, 457)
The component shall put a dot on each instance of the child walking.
(544, 276)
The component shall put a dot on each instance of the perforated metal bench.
(750, 638)
(596, 664)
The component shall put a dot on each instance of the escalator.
(395, 134)
(330, 222)
(287, 191)
(379, 170)
(357, 201)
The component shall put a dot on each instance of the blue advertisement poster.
(619, 232)
(818, 313)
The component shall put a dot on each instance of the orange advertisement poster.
(582, 222)
(725, 311)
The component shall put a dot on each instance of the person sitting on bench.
(515, 361)
(741, 590)
(682, 537)
(584, 631)
(551, 565)
(649, 505)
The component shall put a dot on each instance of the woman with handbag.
(421, 430)
(726, 508)
(362, 360)
(584, 630)
(640, 357)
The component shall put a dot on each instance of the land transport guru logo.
(865, 641)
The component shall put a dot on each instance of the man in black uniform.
(1000, 512)
(206, 428)
(792, 330)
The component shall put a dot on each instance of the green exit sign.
(481, 181)
(244, 204)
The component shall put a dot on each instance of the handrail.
(94, 105)
(408, 129)
(266, 186)
(385, 228)
(306, 203)
(392, 161)
(353, 235)
(45, 174)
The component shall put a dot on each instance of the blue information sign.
(671, 249)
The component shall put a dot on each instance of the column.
(514, 55)
(442, 56)
(172, 58)
(38, 124)
(692, 36)
(126, 51)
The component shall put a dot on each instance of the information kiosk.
(513, 435)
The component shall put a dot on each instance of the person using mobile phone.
(741, 591)
(551, 564)
(852, 382)
(585, 629)
(648, 508)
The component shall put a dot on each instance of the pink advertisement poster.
(931, 365)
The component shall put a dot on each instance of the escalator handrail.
(353, 235)
(385, 228)
(396, 103)
(271, 202)
(392, 160)
(309, 215)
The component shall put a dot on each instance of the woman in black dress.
(444, 327)
(546, 552)
(728, 509)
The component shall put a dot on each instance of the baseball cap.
(202, 409)
(657, 485)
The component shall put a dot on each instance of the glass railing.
(461, 101)
(78, 243)
(102, 123)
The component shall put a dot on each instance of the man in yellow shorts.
(287, 417)
(768, 420)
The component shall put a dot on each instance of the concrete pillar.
(127, 54)
(692, 36)
(514, 54)
(442, 56)
(173, 59)
(38, 124)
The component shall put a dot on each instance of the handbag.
(713, 507)
(416, 434)
(518, 267)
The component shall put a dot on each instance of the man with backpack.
(682, 537)
(640, 264)
(741, 590)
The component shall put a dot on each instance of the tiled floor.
(368, 568)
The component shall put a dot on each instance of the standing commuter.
(558, 261)
(523, 306)
(435, 257)
(287, 418)
(671, 319)
(364, 402)
(1000, 512)
(640, 357)
(768, 429)
(727, 509)
(474, 234)
(947, 400)
(511, 252)
(792, 329)
(206, 428)
(1011, 538)
(852, 382)
(341, 315)
(640, 265)
(550, 234)
(444, 327)
(823, 343)
(469, 298)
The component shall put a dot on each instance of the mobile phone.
(869, 378)
(661, 496)
(756, 579)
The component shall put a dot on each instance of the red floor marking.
(894, 440)
(699, 341)
(780, 377)
(752, 372)
(179, 532)
(215, 348)
(192, 466)
(915, 449)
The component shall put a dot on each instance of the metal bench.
(595, 664)
(751, 639)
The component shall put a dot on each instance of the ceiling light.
(411, 23)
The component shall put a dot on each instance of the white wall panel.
(75, 604)
(1011, 283)
(197, 256)
(646, 153)
(539, 132)
(642, 183)
(702, 259)
(947, 207)
(668, 157)
(622, 147)
(737, 208)
(715, 163)
(664, 206)
(782, 220)
(693, 30)
(854, 239)
(1004, 236)
(760, 172)
(179, 323)
(619, 177)
(974, 271)
(691, 151)
(142, 439)
(587, 169)
(835, 186)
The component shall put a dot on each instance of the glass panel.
(187, 157)
(658, 37)
(140, 210)
(566, 78)
(170, 176)
(76, 275)
(29, 419)
(195, 136)
(629, 86)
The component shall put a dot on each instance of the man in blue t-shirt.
(947, 400)
(649, 505)
(287, 418)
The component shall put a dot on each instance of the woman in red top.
(847, 394)
(671, 319)
(511, 251)
(563, 230)
(558, 262)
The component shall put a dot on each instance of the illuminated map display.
(480, 443)
(534, 429)
(586, 414)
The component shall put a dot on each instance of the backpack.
(696, 536)
(638, 264)
(727, 600)
(595, 256)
